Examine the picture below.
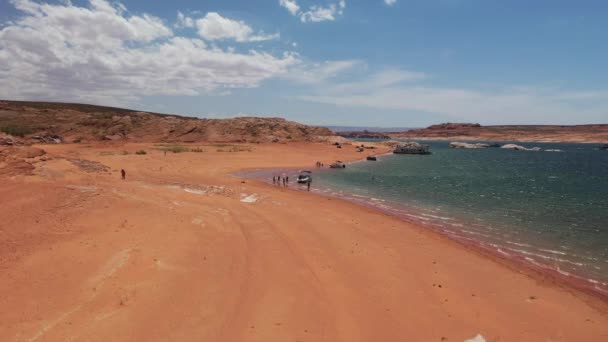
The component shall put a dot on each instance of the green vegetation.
(16, 130)
(175, 148)
(233, 148)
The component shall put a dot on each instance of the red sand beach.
(182, 250)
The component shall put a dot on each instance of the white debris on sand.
(477, 338)
(249, 198)
(194, 191)
(208, 190)
(198, 221)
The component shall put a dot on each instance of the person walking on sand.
(123, 173)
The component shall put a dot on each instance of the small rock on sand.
(477, 338)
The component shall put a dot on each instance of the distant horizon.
(333, 127)
(323, 62)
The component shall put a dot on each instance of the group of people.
(319, 164)
(278, 179)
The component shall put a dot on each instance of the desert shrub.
(234, 148)
(141, 152)
(175, 148)
(16, 130)
(124, 153)
(197, 149)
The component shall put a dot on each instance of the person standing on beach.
(274, 180)
(123, 173)
(308, 183)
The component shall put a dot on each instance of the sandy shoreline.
(174, 253)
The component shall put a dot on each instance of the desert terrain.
(524, 133)
(182, 250)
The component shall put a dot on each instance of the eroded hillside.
(58, 122)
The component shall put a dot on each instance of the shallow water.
(549, 208)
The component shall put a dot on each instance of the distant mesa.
(593, 133)
(363, 135)
(453, 126)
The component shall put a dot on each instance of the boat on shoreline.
(304, 177)
(337, 165)
(411, 148)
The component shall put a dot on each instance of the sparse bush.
(234, 148)
(172, 148)
(141, 152)
(197, 149)
(124, 153)
(16, 130)
(177, 149)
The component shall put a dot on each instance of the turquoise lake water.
(547, 208)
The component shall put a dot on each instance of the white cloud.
(100, 54)
(315, 13)
(184, 21)
(320, 72)
(215, 27)
(291, 6)
(390, 2)
(398, 90)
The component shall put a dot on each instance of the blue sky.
(367, 63)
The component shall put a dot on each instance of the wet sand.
(183, 250)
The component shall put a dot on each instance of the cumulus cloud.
(215, 27)
(291, 6)
(315, 13)
(390, 2)
(100, 54)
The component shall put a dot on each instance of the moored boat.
(411, 148)
(337, 165)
